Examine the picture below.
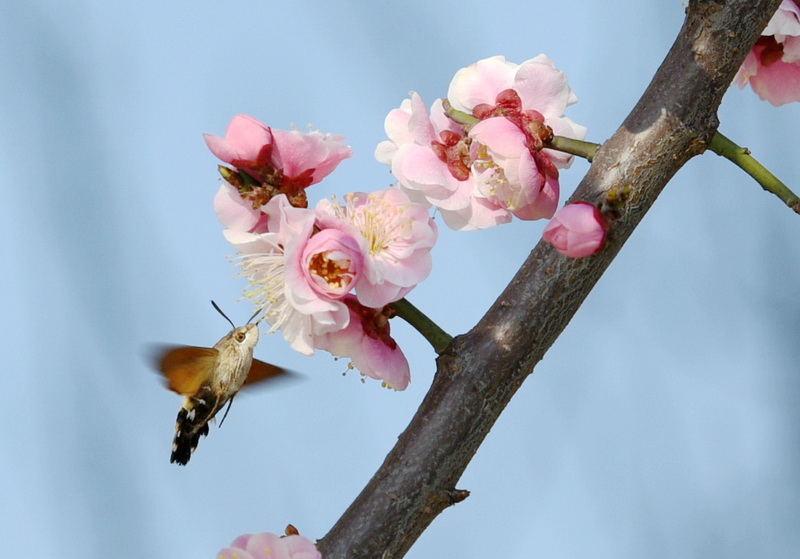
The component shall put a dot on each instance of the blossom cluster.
(772, 68)
(479, 156)
(325, 276)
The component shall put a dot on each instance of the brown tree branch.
(480, 372)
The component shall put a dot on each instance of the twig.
(723, 146)
(437, 337)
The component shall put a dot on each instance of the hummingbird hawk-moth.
(209, 378)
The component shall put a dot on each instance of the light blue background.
(663, 423)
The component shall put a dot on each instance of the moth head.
(246, 336)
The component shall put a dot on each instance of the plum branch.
(480, 371)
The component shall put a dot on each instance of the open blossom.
(773, 65)
(395, 235)
(367, 342)
(512, 175)
(330, 263)
(269, 162)
(298, 282)
(481, 175)
(577, 230)
(270, 546)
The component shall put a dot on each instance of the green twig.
(437, 337)
(573, 146)
(740, 156)
(464, 119)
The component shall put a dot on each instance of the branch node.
(457, 495)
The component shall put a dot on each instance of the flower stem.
(437, 337)
(465, 119)
(573, 146)
(741, 157)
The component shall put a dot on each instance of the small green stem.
(741, 157)
(437, 337)
(573, 146)
(464, 119)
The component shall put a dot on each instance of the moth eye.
(240, 337)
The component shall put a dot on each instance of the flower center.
(333, 270)
(454, 151)
(380, 222)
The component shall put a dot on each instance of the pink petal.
(501, 136)
(778, 83)
(543, 87)
(480, 83)
(234, 212)
(221, 149)
(297, 152)
(419, 125)
(248, 136)
(480, 214)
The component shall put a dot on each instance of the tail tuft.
(192, 423)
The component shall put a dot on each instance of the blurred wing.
(263, 371)
(186, 368)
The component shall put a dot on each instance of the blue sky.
(662, 423)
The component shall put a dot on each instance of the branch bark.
(481, 370)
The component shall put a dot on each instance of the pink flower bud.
(247, 143)
(577, 230)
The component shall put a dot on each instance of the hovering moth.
(209, 378)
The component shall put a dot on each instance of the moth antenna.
(226, 411)
(219, 310)
(255, 314)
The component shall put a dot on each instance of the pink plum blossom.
(395, 236)
(522, 180)
(270, 546)
(577, 230)
(481, 175)
(331, 263)
(773, 65)
(288, 273)
(269, 162)
(367, 342)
